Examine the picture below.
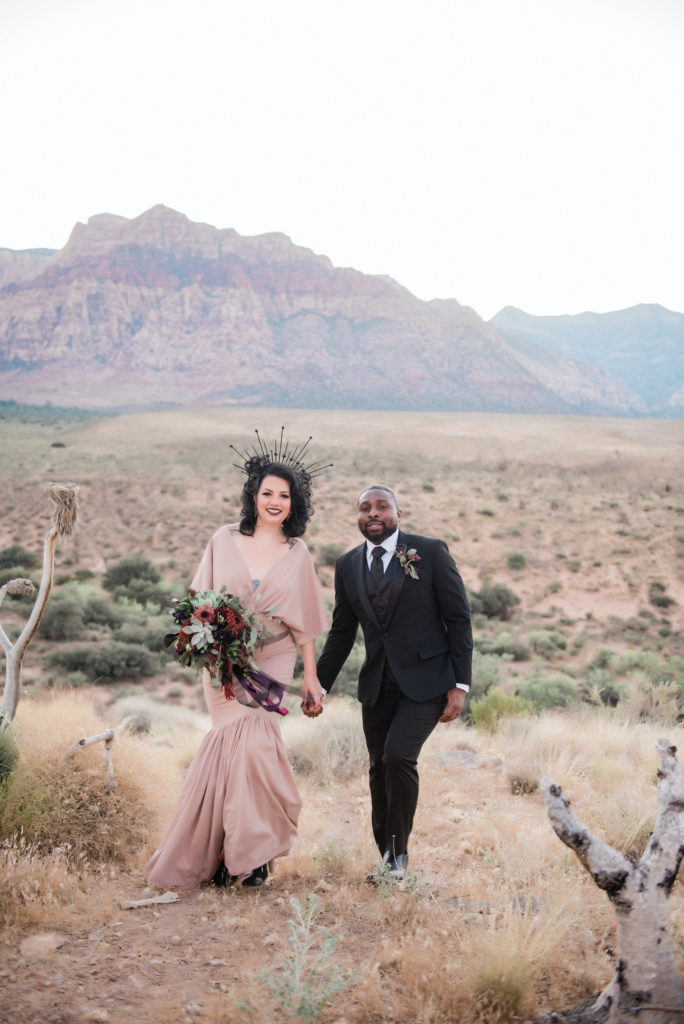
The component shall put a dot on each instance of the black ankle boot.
(258, 876)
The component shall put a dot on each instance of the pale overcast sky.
(500, 152)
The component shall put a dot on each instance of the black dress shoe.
(392, 866)
(258, 876)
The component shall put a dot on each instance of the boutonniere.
(407, 557)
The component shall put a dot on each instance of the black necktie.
(377, 570)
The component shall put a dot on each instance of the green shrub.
(112, 660)
(330, 553)
(516, 560)
(98, 611)
(497, 600)
(124, 572)
(547, 642)
(145, 592)
(149, 633)
(548, 690)
(73, 609)
(657, 595)
(504, 644)
(488, 711)
(604, 684)
(347, 682)
(63, 618)
(486, 673)
(9, 754)
(603, 659)
(17, 555)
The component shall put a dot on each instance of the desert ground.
(581, 519)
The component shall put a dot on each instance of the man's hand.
(312, 705)
(455, 701)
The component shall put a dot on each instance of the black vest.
(377, 593)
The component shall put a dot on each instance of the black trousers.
(396, 729)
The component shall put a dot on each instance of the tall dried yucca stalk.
(64, 499)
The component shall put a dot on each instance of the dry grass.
(63, 805)
(38, 890)
(330, 747)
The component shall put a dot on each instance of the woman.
(240, 805)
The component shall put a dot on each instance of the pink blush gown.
(240, 794)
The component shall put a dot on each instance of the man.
(406, 593)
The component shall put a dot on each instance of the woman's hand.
(312, 705)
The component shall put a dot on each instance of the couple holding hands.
(239, 807)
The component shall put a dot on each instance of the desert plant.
(149, 635)
(63, 619)
(657, 595)
(548, 690)
(547, 642)
(16, 555)
(8, 750)
(489, 710)
(505, 645)
(486, 673)
(309, 976)
(127, 570)
(112, 660)
(497, 600)
(144, 593)
(329, 553)
(516, 560)
(333, 858)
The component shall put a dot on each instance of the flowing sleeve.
(204, 575)
(303, 609)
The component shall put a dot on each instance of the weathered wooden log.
(107, 737)
(166, 897)
(646, 982)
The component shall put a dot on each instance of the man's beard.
(378, 536)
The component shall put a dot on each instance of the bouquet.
(215, 631)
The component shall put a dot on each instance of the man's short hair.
(380, 487)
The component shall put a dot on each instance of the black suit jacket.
(426, 639)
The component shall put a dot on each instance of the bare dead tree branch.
(646, 979)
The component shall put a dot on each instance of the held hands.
(312, 705)
(455, 701)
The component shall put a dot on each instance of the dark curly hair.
(301, 508)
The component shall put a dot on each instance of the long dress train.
(240, 794)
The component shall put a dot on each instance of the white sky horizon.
(525, 154)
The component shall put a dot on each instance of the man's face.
(378, 515)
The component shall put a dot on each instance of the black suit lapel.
(360, 569)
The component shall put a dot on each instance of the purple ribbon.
(264, 689)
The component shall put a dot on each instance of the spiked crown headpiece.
(282, 454)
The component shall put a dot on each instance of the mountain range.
(158, 310)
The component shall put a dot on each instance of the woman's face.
(273, 501)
